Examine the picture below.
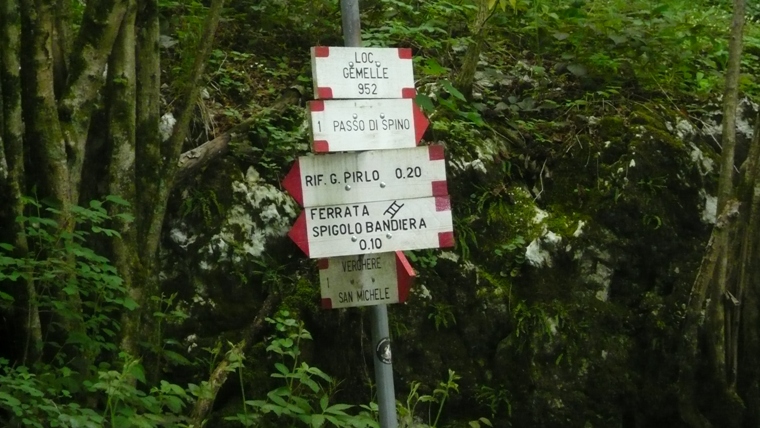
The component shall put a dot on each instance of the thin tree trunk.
(148, 146)
(173, 148)
(101, 23)
(689, 347)
(42, 127)
(12, 134)
(220, 373)
(121, 137)
(747, 379)
(718, 337)
(466, 76)
(62, 44)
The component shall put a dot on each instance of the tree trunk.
(466, 75)
(12, 136)
(121, 138)
(101, 23)
(719, 314)
(747, 369)
(173, 148)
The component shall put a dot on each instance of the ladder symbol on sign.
(393, 209)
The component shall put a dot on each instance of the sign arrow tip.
(420, 122)
(405, 275)
(298, 233)
(292, 183)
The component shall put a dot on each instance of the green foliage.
(442, 314)
(203, 205)
(496, 399)
(77, 286)
(168, 313)
(306, 391)
(73, 282)
(513, 253)
(436, 401)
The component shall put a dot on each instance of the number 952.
(367, 89)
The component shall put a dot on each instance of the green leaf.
(433, 68)
(176, 358)
(618, 38)
(130, 304)
(6, 247)
(323, 402)
(281, 368)
(310, 383)
(338, 409)
(317, 372)
(117, 200)
(277, 399)
(425, 103)
(137, 372)
(577, 70)
(448, 87)
(317, 421)
(174, 404)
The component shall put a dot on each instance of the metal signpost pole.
(386, 396)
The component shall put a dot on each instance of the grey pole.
(352, 27)
(381, 343)
(386, 396)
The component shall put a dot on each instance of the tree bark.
(718, 312)
(219, 376)
(173, 148)
(148, 146)
(746, 370)
(466, 75)
(689, 347)
(121, 137)
(12, 136)
(101, 23)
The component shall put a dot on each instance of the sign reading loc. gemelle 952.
(345, 178)
(352, 73)
(374, 227)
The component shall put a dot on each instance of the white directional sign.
(374, 227)
(341, 72)
(364, 280)
(381, 175)
(348, 125)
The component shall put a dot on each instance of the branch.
(192, 89)
(193, 160)
(219, 376)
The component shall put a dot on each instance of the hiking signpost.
(386, 195)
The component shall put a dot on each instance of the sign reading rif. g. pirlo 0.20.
(368, 176)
